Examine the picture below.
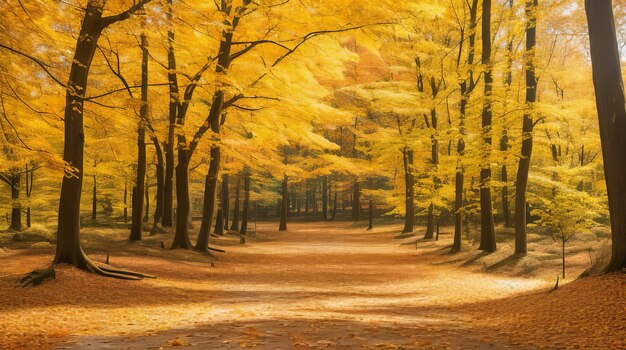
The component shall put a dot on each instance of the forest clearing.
(337, 285)
(278, 174)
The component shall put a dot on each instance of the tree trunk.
(160, 175)
(94, 200)
(246, 202)
(16, 206)
(68, 248)
(235, 224)
(610, 103)
(219, 218)
(125, 201)
(225, 201)
(168, 188)
(146, 217)
(208, 208)
(137, 216)
(334, 212)
(467, 86)
(527, 131)
(356, 202)
(409, 193)
(181, 234)
(283, 206)
(487, 231)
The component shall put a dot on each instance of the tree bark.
(68, 248)
(16, 206)
(246, 202)
(160, 176)
(610, 103)
(371, 216)
(467, 86)
(137, 217)
(527, 130)
(409, 193)
(94, 200)
(181, 234)
(356, 202)
(168, 189)
(235, 224)
(487, 230)
(225, 201)
(430, 224)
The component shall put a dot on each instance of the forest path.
(317, 285)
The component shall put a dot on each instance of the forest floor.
(318, 285)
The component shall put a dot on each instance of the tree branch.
(40, 63)
(107, 21)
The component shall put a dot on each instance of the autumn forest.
(293, 174)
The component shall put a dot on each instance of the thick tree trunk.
(610, 102)
(246, 202)
(181, 234)
(16, 206)
(356, 202)
(208, 208)
(409, 193)
(487, 231)
(225, 201)
(160, 190)
(235, 224)
(283, 206)
(68, 248)
(140, 181)
(527, 131)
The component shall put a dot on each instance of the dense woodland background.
(427, 111)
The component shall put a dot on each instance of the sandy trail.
(318, 285)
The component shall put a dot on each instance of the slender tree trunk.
(467, 86)
(487, 231)
(146, 217)
(16, 206)
(94, 200)
(168, 189)
(610, 103)
(125, 201)
(356, 202)
(29, 190)
(334, 212)
(527, 131)
(225, 201)
(137, 216)
(283, 206)
(409, 194)
(160, 175)
(235, 224)
(246, 202)
(219, 218)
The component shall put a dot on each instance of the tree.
(68, 249)
(487, 231)
(527, 129)
(610, 103)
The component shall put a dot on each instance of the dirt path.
(315, 286)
